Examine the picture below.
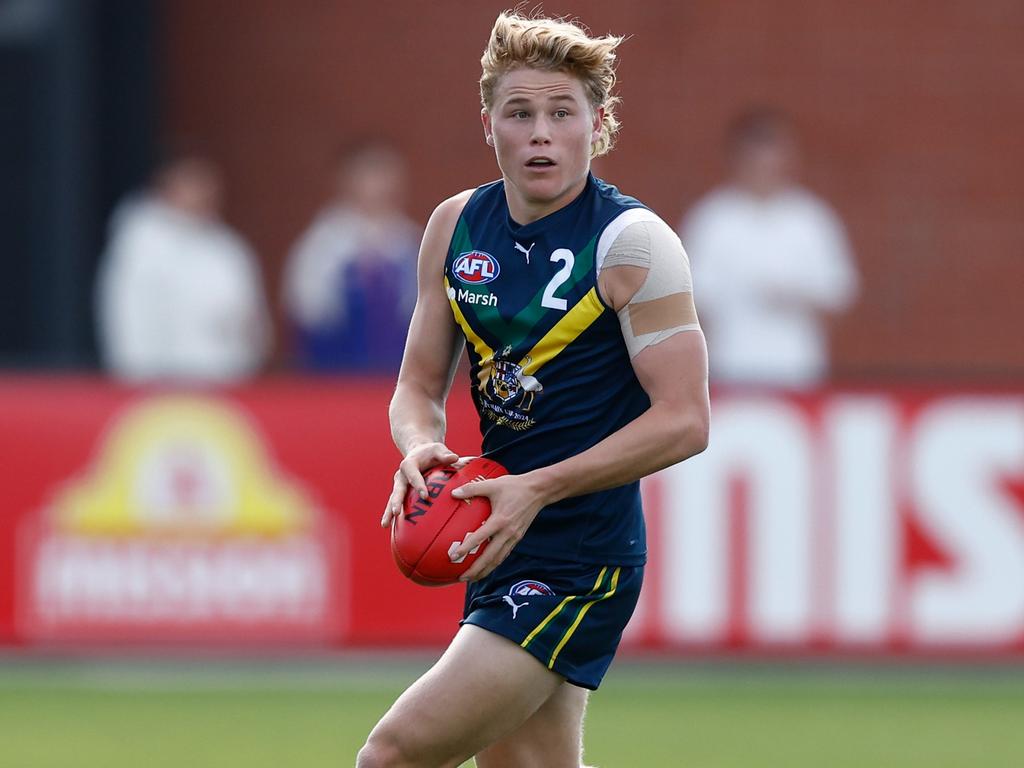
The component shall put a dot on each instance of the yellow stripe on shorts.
(583, 612)
(540, 627)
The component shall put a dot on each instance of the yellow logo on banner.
(182, 466)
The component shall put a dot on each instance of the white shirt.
(337, 236)
(179, 298)
(765, 272)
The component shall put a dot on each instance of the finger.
(435, 455)
(394, 504)
(471, 542)
(447, 457)
(462, 461)
(392, 508)
(489, 533)
(412, 475)
(490, 559)
(471, 489)
(473, 574)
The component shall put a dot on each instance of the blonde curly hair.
(560, 46)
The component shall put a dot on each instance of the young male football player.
(589, 371)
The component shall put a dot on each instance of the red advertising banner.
(850, 522)
(244, 516)
(845, 521)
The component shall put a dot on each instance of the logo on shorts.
(522, 589)
(476, 267)
(530, 587)
(515, 606)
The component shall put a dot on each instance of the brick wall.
(912, 116)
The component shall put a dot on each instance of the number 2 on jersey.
(549, 300)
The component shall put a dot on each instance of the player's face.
(542, 127)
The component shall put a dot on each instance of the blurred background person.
(179, 294)
(772, 261)
(350, 280)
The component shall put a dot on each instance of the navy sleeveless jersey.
(549, 371)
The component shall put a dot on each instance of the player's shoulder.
(632, 228)
(441, 227)
(452, 206)
(446, 215)
(649, 228)
(471, 202)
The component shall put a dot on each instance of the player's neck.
(525, 211)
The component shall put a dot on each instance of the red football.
(427, 529)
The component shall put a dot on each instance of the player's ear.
(485, 118)
(598, 123)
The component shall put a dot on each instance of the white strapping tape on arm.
(663, 305)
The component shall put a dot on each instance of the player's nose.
(541, 131)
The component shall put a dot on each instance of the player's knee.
(381, 752)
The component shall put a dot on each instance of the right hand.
(410, 474)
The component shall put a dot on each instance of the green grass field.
(310, 714)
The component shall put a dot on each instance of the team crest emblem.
(508, 382)
(530, 587)
(476, 268)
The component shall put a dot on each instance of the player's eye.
(562, 113)
(520, 114)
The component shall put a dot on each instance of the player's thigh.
(483, 687)
(551, 738)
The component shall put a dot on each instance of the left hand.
(515, 502)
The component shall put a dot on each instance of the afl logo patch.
(476, 267)
(530, 587)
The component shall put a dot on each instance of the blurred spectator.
(350, 281)
(770, 262)
(179, 293)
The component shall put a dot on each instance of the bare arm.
(674, 375)
(431, 354)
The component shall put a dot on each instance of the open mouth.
(540, 162)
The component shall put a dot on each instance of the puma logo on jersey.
(525, 250)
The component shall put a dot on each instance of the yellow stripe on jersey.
(484, 352)
(579, 618)
(558, 609)
(565, 331)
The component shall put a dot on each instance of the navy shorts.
(569, 616)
